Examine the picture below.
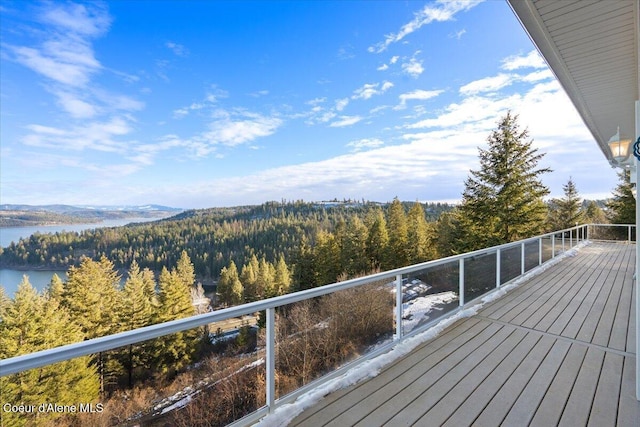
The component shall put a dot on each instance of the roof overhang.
(592, 48)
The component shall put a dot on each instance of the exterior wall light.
(620, 147)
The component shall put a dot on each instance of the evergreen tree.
(398, 253)
(32, 323)
(55, 290)
(419, 235)
(137, 309)
(185, 271)
(173, 352)
(327, 257)
(451, 233)
(282, 278)
(4, 302)
(622, 207)
(377, 240)
(502, 201)
(249, 279)
(92, 299)
(266, 279)
(91, 296)
(304, 268)
(354, 248)
(593, 214)
(566, 212)
(229, 286)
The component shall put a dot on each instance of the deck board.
(557, 350)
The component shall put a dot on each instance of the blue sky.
(197, 104)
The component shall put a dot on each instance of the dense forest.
(211, 237)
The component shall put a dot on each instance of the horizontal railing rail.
(556, 242)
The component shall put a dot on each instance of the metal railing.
(465, 277)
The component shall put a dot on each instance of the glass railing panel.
(611, 232)
(479, 275)
(429, 294)
(179, 379)
(547, 248)
(510, 263)
(531, 255)
(562, 242)
(63, 393)
(315, 337)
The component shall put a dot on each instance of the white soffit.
(592, 48)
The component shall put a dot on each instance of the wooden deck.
(557, 350)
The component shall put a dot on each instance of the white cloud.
(458, 34)
(97, 135)
(362, 144)
(233, 130)
(65, 58)
(370, 89)
(77, 108)
(383, 67)
(419, 94)
(394, 59)
(341, 104)
(487, 84)
(66, 55)
(442, 10)
(91, 19)
(537, 76)
(345, 121)
(413, 67)
(316, 101)
(177, 49)
(531, 60)
(51, 65)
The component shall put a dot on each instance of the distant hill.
(30, 215)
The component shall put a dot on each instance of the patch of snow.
(419, 309)
(284, 414)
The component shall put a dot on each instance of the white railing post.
(522, 266)
(570, 238)
(553, 246)
(563, 248)
(629, 234)
(270, 361)
(398, 307)
(540, 251)
(498, 251)
(461, 281)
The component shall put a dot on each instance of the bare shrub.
(359, 316)
(226, 401)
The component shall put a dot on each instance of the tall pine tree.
(30, 323)
(91, 296)
(377, 240)
(174, 352)
(566, 212)
(622, 207)
(229, 286)
(398, 250)
(137, 308)
(419, 236)
(502, 201)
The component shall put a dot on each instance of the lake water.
(10, 279)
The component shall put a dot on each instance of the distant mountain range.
(29, 215)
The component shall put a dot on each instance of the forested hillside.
(29, 215)
(211, 237)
